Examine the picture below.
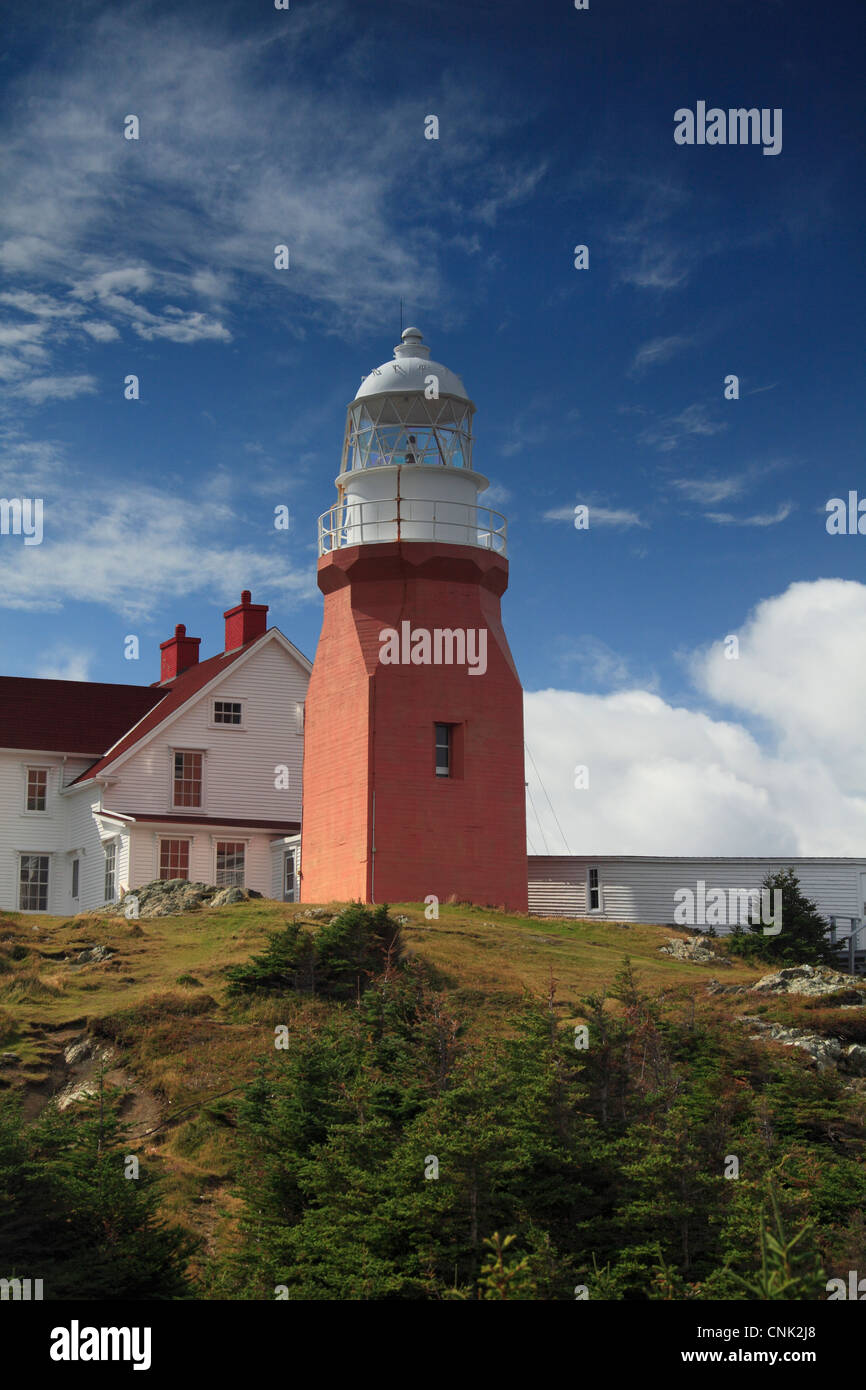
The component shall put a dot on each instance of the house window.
(76, 863)
(187, 779)
(174, 859)
(593, 893)
(110, 871)
(227, 711)
(33, 883)
(230, 864)
(37, 788)
(443, 750)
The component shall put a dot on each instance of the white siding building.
(644, 888)
(107, 787)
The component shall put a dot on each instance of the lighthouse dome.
(410, 370)
(406, 471)
(409, 412)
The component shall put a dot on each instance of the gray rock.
(228, 895)
(809, 980)
(93, 953)
(165, 897)
(692, 950)
(826, 1053)
(85, 1049)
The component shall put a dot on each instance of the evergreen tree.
(70, 1216)
(803, 939)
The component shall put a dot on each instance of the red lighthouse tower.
(413, 737)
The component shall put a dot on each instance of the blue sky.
(603, 386)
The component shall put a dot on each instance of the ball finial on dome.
(412, 344)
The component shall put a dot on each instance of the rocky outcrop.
(826, 1053)
(813, 980)
(93, 954)
(692, 950)
(165, 897)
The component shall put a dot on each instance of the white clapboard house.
(104, 787)
(650, 888)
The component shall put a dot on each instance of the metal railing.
(854, 949)
(411, 519)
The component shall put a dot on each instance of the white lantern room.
(406, 472)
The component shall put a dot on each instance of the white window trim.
(244, 840)
(184, 748)
(214, 724)
(38, 767)
(600, 889)
(43, 854)
(295, 851)
(159, 836)
(110, 841)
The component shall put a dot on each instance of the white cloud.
(101, 331)
(111, 282)
(598, 516)
(656, 351)
(131, 549)
(190, 328)
(782, 512)
(510, 186)
(670, 780)
(708, 490)
(64, 663)
(225, 169)
(13, 335)
(56, 388)
(669, 433)
(802, 667)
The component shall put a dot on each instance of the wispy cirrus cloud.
(129, 550)
(709, 490)
(56, 388)
(657, 351)
(622, 517)
(782, 512)
(669, 433)
(165, 237)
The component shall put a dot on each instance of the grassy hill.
(155, 1018)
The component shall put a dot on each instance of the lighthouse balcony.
(411, 519)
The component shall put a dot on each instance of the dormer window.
(228, 712)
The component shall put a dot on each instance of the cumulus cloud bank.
(781, 771)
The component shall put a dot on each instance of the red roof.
(171, 696)
(70, 716)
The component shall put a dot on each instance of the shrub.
(359, 943)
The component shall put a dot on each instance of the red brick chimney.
(245, 623)
(178, 654)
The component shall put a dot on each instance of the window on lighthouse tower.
(443, 750)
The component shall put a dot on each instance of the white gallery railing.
(411, 519)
